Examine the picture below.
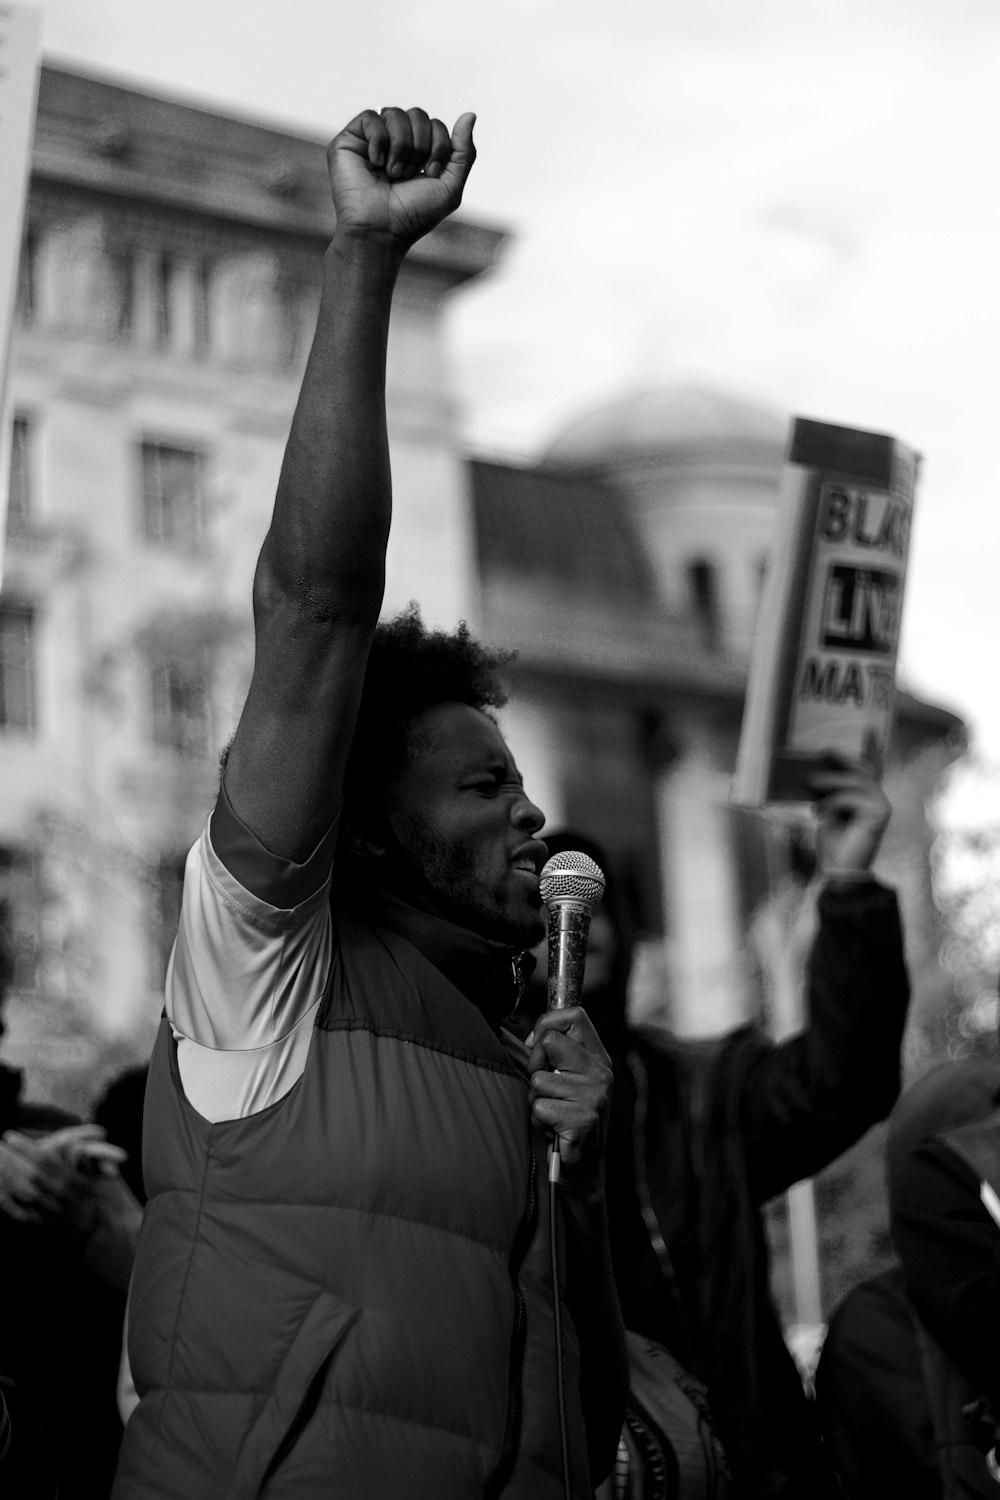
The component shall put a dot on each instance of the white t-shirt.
(246, 975)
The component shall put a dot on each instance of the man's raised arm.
(318, 590)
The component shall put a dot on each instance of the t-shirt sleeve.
(249, 966)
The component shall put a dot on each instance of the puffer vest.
(349, 1294)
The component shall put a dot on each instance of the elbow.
(308, 602)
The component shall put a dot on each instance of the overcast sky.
(792, 200)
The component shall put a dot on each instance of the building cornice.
(118, 141)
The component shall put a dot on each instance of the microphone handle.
(569, 926)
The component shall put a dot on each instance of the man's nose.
(527, 814)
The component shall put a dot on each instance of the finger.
(366, 135)
(556, 1050)
(825, 781)
(17, 1176)
(14, 1210)
(548, 1053)
(423, 138)
(837, 760)
(559, 1020)
(578, 1131)
(57, 1140)
(95, 1154)
(463, 155)
(399, 152)
(567, 1116)
(845, 803)
(562, 1083)
(574, 1023)
(440, 152)
(22, 1147)
(37, 1200)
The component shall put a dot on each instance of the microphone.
(571, 885)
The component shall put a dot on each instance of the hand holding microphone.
(570, 1070)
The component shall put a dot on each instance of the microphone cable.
(555, 1162)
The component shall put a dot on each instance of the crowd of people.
(353, 1265)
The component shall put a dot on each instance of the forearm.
(593, 1303)
(320, 577)
(818, 1092)
(326, 546)
(858, 996)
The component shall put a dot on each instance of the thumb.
(463, 154)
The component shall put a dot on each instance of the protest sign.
(823, 667)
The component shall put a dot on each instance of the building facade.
(170, 278)
(627, 571)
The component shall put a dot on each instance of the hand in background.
(852, 812)
(50, 1181)
(397, 172)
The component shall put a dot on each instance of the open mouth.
(530, 858)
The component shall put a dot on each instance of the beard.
(445, 875)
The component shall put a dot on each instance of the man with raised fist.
(346, 1283)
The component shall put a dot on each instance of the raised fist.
(852, 813)
(397, 172)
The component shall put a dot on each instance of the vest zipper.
(519, 1249)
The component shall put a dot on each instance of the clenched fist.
(397, 172)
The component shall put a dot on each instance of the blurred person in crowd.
(119, 1114)
(68, 1227)
(704, 1133)
(344, 1281)
(909, 1375)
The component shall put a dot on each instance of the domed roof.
(661, 421)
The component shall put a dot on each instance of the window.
(172, 494)
(168, 880)
(121, 264)
(19, 505)
(202, 307)
(179, 696)
(703, 587)
(17, 667)
(19, 920)
(27, 278)
(163, 299)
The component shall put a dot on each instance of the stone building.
(627, 571)
(169, 282)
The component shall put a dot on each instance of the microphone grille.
(572, 876)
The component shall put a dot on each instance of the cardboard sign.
(823, 668)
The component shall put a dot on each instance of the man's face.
(459, 811)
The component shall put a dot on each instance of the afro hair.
(411, 668)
